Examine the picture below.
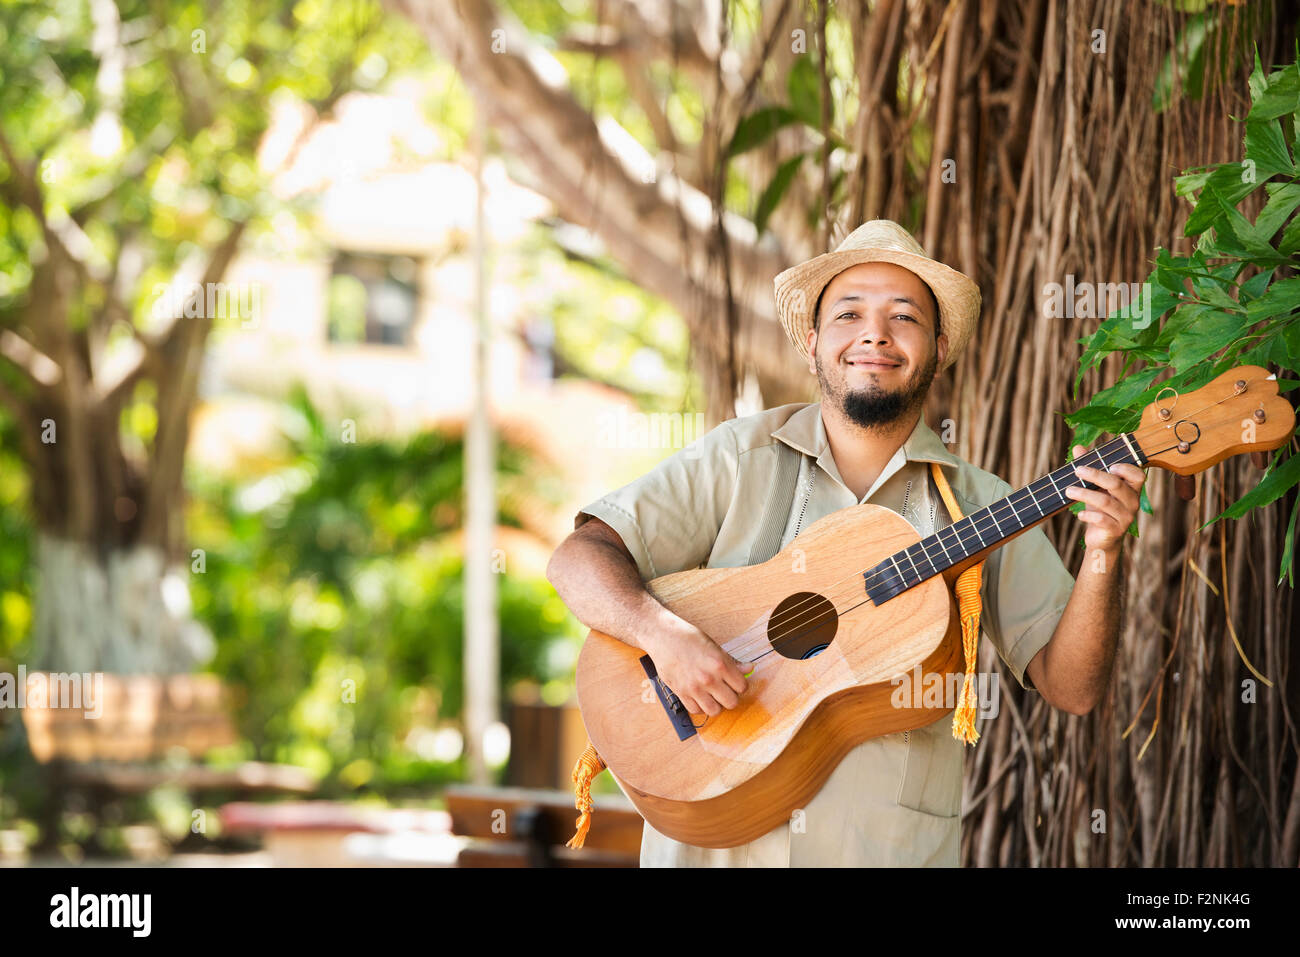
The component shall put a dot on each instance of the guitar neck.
(985, 529)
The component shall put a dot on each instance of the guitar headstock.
(1240, 411)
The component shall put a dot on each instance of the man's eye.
(850, 315)
(903, 315)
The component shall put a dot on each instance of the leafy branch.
(1235, 300)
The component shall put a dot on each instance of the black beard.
(873, 407)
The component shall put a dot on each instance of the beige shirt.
(894, 800)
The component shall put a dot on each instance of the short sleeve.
(670, 517)
(1027, 586)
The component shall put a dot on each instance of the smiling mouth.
(873, 365)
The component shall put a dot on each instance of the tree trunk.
(121, 610)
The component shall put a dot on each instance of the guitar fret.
(944, 547)
(1137, 459)
(897, 569)
(959, 543)
(890, 578)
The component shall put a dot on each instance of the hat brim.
(798, 288)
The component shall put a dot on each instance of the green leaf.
(1254, 287)
(1280, 299)
(759, 127)
(1213, 292)
(1236, 228)
(1279, 347)
(1266, 146)
(1189, 184)
(1257, 82)
(1179, 321)
(1282, 202)
(1225, 185)
(1281, 97)
(803, 84)
(781, 181)
(1290, 244)
(1102, 416)
(1126, 393)
(1211, 331)
(1184, 66)
(1271, 487)
(1286, 569)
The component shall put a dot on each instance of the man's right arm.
(596, 576)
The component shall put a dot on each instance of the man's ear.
(811, 343)
(941, 345)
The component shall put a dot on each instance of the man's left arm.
(1071, 671)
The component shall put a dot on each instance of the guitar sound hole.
(802, 626)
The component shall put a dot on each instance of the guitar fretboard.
(993, 524)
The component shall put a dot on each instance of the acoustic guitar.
(873, 601)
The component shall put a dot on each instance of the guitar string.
(958, 537)
(864, 601)
(788, 635)
(1237, 390)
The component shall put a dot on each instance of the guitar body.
(744, 771)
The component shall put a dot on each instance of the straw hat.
(879, 241)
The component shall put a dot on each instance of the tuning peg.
(1259, 460)
(1185, 486)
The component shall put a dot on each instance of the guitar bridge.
(672, 705)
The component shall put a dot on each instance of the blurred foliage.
(334, 590)
(166, 163)
(20, 785)
(1235, 300)
(607, 329)
(334, 587)
(15, 545)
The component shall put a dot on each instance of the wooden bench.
(330, 834)
(141, 732)
(520, 827)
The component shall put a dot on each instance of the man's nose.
(874, 329)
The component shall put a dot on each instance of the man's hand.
(596, 575)
(1111, 507)
(699, 672)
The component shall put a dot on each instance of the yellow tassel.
(968, 611)
(969, 606)
(588, 766)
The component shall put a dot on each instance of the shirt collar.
(806, 432)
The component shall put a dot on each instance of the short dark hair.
(938, 326)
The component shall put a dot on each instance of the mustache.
(873, 407)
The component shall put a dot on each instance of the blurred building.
(368, 300)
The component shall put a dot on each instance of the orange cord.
(588, 766)
(968, 610)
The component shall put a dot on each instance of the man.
(884, 317)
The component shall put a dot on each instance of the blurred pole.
(481, 632)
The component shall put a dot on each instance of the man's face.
(874, 349)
